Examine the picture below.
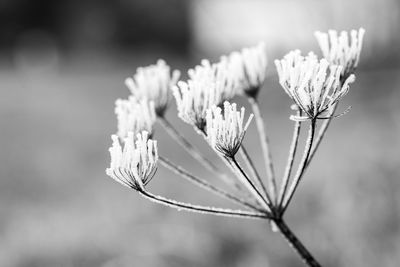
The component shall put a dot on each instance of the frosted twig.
(206, 185)
(292, 154)
(265, 147)
(202, 209)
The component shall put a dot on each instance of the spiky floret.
(153, 82)
(249, 67)
(340, 49)
(135, 164)
(225, 131)
(313, 84)
(208, 85)
(134, 116)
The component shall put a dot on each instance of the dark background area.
(62, 66)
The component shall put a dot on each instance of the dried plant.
(204, 101)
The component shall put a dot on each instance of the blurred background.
(62, 66)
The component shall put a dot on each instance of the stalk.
(265, 147)
(302, 166)
(206, 185)
(296, 244)
(201, 209)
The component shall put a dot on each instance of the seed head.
(208, 85)
(153, 82)
(134, 165)
(134, 116)
(339, 51)
(225, 132)
(314, 85)
(249, 67)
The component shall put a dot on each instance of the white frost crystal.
(134, 116)
(225, 130)
(208, 85)
(313, 84)
(340, 49)
(153, 82)
(136, 163)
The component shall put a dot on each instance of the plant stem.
(296, 244)
(249, 184)
(193, 151)
(321, 133)
(246, 157)
(202, 209)
(265, 147)
(206, 185)
(302, 166)
(289, 165)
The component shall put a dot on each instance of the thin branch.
(302, 166)
(206, 185)
(244, 179)
(321, 133)
(202, 209)
(296, 244)
(250, 164)
(194, 152)
(265, 147)
(292, 154)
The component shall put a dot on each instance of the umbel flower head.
(208, 85)
(249, 67)
(134, 116)
(342, 50)
(153, 82)
(135, 164)
(225, 132)
(313, 85)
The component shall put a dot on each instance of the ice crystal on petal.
(153, 82)
(249, 67)
(225, 130)
(343, 50)
(313, 84)
(208, 85)
(136, 163)
(134, 116)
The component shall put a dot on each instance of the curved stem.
(206, 185)
(289, 165)
(265, 147)
(302, 166)
(202, 209)
(249, 184)
(193, 151)
(295, 243)
(246, 157)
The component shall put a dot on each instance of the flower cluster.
(134, 116)
(339, 51)
(153, 82)
(313, 84)
(208, 85)
(249, 67)
(225, 132)
(135, 164)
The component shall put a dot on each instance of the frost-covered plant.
(205, 102)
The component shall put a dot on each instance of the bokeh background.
(62, 65)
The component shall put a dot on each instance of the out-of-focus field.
(58, 208)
